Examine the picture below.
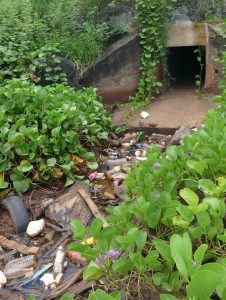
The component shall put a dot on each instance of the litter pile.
(34, 259)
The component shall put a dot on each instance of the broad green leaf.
(164, 250)
(199, 166)
(139, 262)
(141, 239)
(204, 283)
(92, 272)
(96, 227)
(200, 253)
(212, 202)
(122, 266)
(67, 296)
(189, 196)
(51, 162)
(207, 186)
(203, 218)
(168, 297)
(79, 230)
(92, 165)
(181, 251)
(3, 184)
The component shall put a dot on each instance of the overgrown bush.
(43, 130)
(169, 234)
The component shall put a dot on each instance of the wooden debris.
(93, 207)
(12, 245)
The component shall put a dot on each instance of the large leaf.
(92, 272)
(200, 252)
(189, 196)
(164, 250)
(181, 251)
(206, 280)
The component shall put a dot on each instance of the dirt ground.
(173, 109)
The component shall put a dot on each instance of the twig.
(94, 209)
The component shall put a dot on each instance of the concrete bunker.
(183, 39)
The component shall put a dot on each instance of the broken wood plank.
(80, 287)
(94, 209)
(64, 288)
(12, 245)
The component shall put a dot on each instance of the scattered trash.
(144, 115)
(35, 227)
(59, 260)
(92, 176)
(9, 244)
(47, 280)
(2, 280)
(109, 196)
(75, 257)
(116, 162)
(57, 270)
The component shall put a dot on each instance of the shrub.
(44, 128)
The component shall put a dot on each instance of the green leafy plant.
(153, 17)
(43, 130)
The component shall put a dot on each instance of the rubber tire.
(18, 212)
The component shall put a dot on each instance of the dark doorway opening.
(184, 66)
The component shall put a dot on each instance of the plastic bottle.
(59, 260)
(21, 263)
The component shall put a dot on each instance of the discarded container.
(76, 258)
(144, 114)
(59, 260)
(116, 162)
(35, 227)
(2, 279)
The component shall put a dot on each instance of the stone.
(35, 227)
(116, 73)
(180, 134)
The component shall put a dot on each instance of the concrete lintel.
(184, 34)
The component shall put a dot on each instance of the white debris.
(144, 114)
(47, 279)
(141, 158)
(2, 279)
(35, 227)
(137, 153)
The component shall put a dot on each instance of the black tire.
(18, 212)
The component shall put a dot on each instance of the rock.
(159, 138)
(35, 227)
(116, 74)
(128, 137)
(119, 176)
(2, 279)
(119, 189)
(68, 67)
(180, 134)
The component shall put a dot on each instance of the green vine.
(153, 17)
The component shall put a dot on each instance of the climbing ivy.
(153, 17)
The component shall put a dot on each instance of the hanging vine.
(153, 18)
